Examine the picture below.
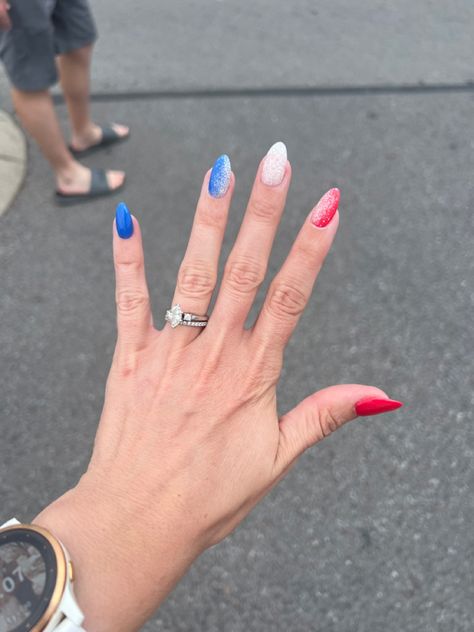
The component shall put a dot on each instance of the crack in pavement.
(276, 91)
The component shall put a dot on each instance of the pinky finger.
(320, 414)
(134, 319)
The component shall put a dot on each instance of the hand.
(190, 438)
(5, 22)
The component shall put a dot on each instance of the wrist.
(122, 574)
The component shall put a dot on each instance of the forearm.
(116, 584)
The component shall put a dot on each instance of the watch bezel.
(61, 573)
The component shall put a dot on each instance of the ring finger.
(198, 271)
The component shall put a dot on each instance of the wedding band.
(175, 316)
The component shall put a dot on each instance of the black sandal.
(109, 137)
(99, 188)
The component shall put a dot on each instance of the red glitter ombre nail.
(375, 406)
(326, 208)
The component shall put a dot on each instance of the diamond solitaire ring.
(175, 316)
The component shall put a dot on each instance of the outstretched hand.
(190, 437)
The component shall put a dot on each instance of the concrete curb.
(13, 159)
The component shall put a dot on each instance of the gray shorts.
(41, 30)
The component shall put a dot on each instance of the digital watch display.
(32, 578)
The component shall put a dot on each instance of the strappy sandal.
(99, 188)
(109, 137)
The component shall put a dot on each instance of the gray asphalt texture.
(373, 530)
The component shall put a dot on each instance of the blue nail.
(220, 177)
(123, 221)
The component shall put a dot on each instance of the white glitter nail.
(274, 165)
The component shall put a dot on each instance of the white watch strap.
(9, 523)
(68, 626)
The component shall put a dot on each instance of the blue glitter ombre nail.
(123, 221)
(220, 177)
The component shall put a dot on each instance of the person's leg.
(36, 112)
(74, 73)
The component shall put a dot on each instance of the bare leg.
(37, 115)
(74, 72)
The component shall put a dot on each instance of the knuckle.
(130, 302)
(129, 268)
(327, 423)
(307, 253)
(244, 276)
(209, 216)
(196, 280)
(263, 209)
(286, 300)
(318, 424)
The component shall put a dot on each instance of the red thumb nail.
(375, 405)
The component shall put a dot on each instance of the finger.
(317, 416)
(291, 289)
(134, 319)
(247, 263)
(198, 271)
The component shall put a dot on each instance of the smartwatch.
(36, 582)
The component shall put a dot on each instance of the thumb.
(317, 416)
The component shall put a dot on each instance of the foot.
(93, 135)
(76, 180)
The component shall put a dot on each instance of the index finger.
(291, 289)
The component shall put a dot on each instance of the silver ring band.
(175, 316)
(196, 323)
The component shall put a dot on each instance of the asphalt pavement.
(372, 531)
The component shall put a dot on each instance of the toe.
(121, 130)
(115, 179)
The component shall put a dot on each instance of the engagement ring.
(175, 316)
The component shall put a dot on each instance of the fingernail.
(123, 221)
(220, 177)
(274, 165)
(375, 406)
(326, 208)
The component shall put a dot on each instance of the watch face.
(28, 573)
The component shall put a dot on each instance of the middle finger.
(248, 260)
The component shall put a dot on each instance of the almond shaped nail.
(375, 406)
(274, 165)
(326, 208)
(123, 221)
(220, 177)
